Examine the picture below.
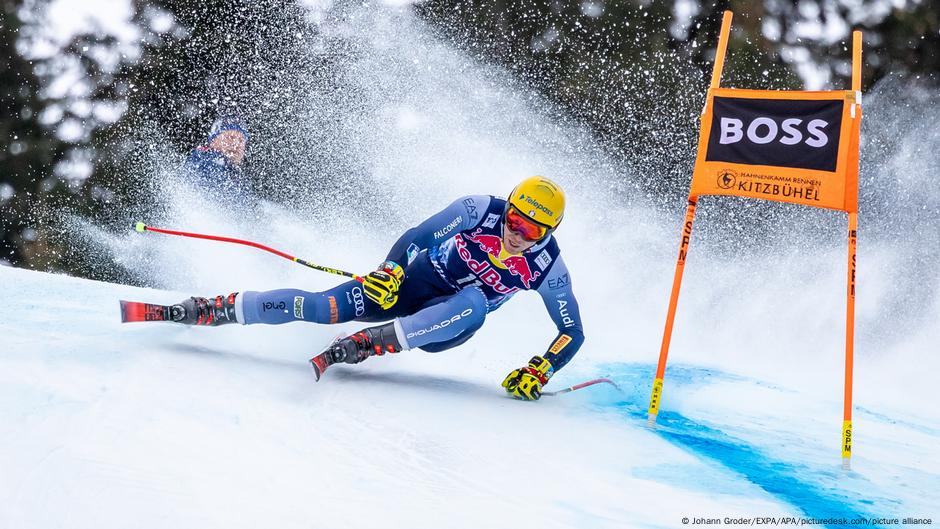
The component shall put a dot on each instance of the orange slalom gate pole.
(850, 282)
(722, 49)
(657, 391)
(856, 60)
(671, 314)
(849, 344)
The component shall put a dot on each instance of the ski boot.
(370, 341)
(201, 311)
(357, 347)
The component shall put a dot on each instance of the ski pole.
(141, 227)
(582, 385)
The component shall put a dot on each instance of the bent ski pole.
(141, 227)
(582, 385)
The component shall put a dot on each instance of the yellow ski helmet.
(540, 200)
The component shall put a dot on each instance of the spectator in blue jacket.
(217, 163)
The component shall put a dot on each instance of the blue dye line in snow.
(813, 491)
(900, 422)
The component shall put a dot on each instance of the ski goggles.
(529, 229)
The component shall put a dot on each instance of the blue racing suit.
(456, 272)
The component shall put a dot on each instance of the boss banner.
(784, 146)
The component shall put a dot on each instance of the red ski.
(320, 364)
(132, 311)
(323, 361)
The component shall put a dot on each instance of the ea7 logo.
(765, 130)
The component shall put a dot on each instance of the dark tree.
(899, 39)
(27, 153)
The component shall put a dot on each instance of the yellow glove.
(526, 382)
(382, 285)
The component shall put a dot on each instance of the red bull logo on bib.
(517, 265)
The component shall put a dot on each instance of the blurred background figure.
(216, 165)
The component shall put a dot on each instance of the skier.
(216, 165)
(437, 284)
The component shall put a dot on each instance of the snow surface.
(160, 426)
(154, 425)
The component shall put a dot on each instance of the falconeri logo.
(447, 229)
(727, 178)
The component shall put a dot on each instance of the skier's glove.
(382, 285)
(526, 382)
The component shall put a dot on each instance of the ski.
(323, 361)
(133, 311)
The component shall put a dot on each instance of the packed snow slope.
(155, 425)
